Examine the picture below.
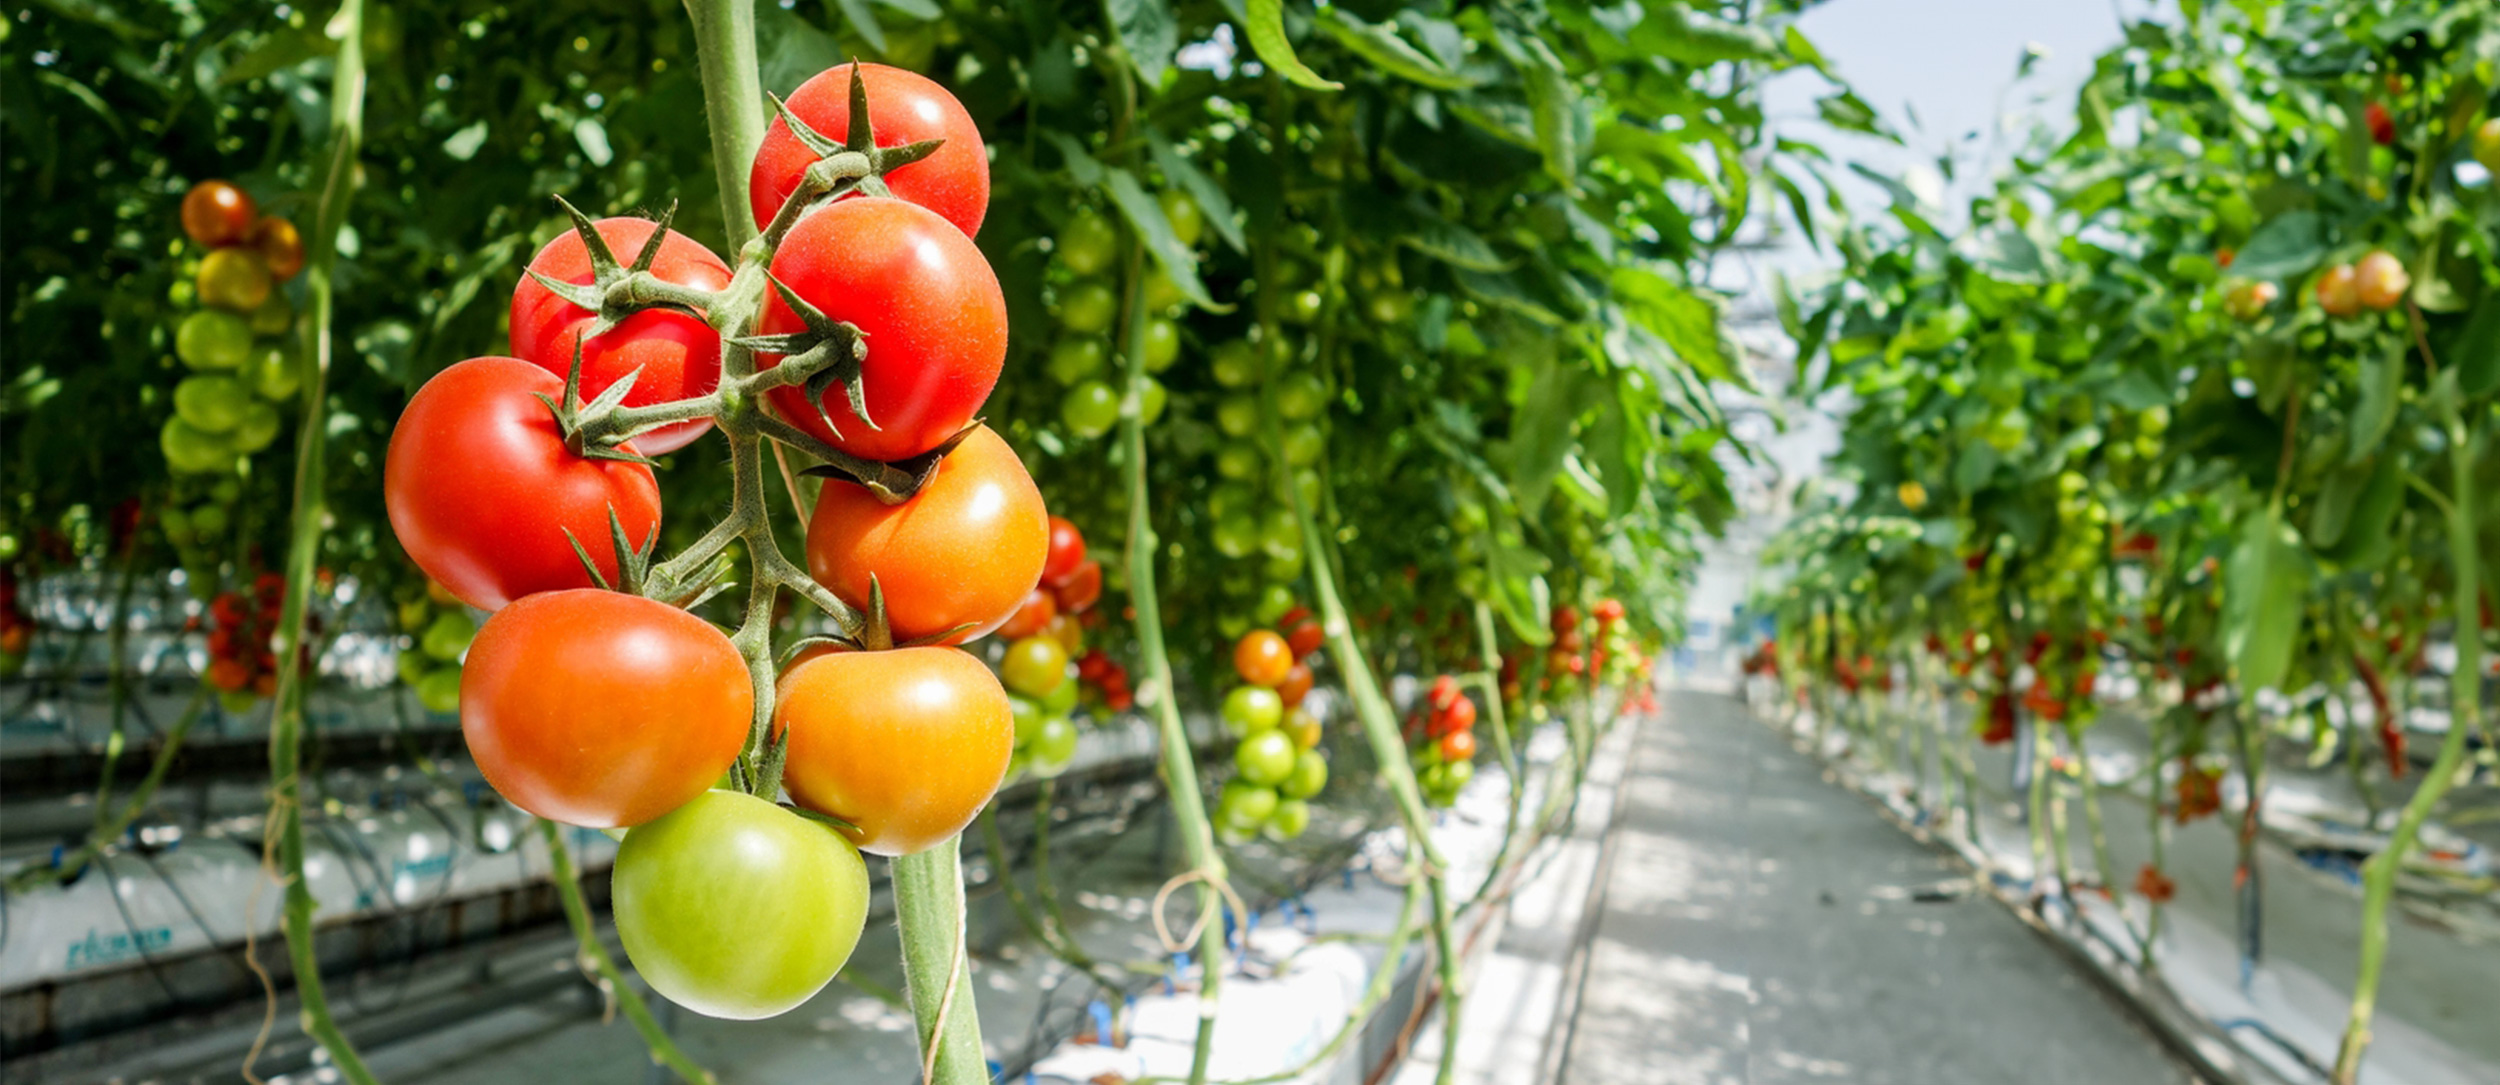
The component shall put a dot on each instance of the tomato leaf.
(1147, 32)
(2382, 384)
(1555, 105)
(2263, 592)
(1147, 218)
(2369, 530)
(1265, 23)
(1381, 45)
(2284, 248)
(2476, 357)
(1689, 322)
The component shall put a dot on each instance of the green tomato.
(1028, 716)
(238, 701)
(1460, 772)
(209, 521)
(1162, 295)
(1188, 223)
(1238, 460)
(272, 374)
(1054, 746)
(1232, 626)
(2487, 144)
(1303, 445)
(1088, 243)
(213, 339)
(1075, 358)
(1062, 698)
(1304, 306)
(1231, 497)
(1292, 816)
(1088, 308)
(1245, 805)
(260, 426)
(1280, 537)
(439, 691)
(1274, 601)
(1235, 364)
(412, 668)
(1301, 397)
(191, 450)
(1237, 416)
(1391, 307)
(1310, 774)
(1251, 710)
(214, 404)
(1284, 570)
(177, 525)
(1034, 666)
(736, 908)
(1266, 758)
(1151, 399)
(1090, 409)
(274, 316)
(447, 635)
(1236, 535)
(1163, 344)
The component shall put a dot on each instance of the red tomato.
(903, 107)
(602, 709)
(1445, 692)
(966, 549)
(2382, 126)
(907, 745)
(1459, 716)
(936, 324)
(1262, 658)
(1077, 593)
(1296, 686)
(1609, 611)
(1458, 746)
(1304, 637)
(677, 353)
(280, 246)
(1067, 551)
(481, 488)
(1032, 616)
(217, 213)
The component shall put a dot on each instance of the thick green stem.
(2036, 801)
(937, 970)
(733, 100)
(1514, 767)
(2091, 787)
(595, 959)
(308, 517)
(2378, 882)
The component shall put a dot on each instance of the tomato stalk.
(937, 969)
(1514, 767)
(594, 959)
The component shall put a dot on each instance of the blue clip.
(1101, 1014)
(1179, 961)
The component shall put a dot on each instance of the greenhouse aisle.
(1761, 925)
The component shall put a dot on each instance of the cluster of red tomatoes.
(226, 409)
(1276, 764)
(607, 709)
(17, 628)
(1049, 627)
(242, 656)
(1445, 748)
(2199, 791)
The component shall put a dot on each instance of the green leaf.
(282, 49)
(1848, 112)
(1687, 321)
(862, 19)
(2369, 534)
(1265, 24)
(2382, 385)
(1519, 591)
(1202, 188)
(1685, 36)
(1555, 105)
(1147, 32)
(2476, 356)
(1542, 435)
(1428, 233)
(1390, 53)
(2284, 248)
(2264, 590)
(1146, 217)
(2330, 512)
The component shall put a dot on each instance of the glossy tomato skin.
(735, 908)
(904, 107)
(929, 303)
(1067, 550)
(602, 709)
(280, 246)
(966, 549)
(1081, 590)
(1262, 659)
(217, 213)
(677, 353)
(481, 488)
(907, 745)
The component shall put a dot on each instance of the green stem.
(309, 514)
(2098, 833)
(937, 970)
(733, 101)
(110, 822)
(594, 957)
(2036, 803)
(1513, 766)
(2464, 715)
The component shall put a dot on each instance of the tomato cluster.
(1277, 766)
(1048, 628)
(1445, 748)
(242, 660)
(440, 630)
(1087, 306)
(226, 409)
(17, 628)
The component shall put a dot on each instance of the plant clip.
(829, 351)
(612, 290)
(576, 419)
(633, 563)
(896, 482)
(856, 163)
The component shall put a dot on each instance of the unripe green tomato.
(1075, 358)
(1238, 460)
(1035, 666)
(2193, 267)
(1283, 570)
(213, 403)
(1231, 497)
(1188, 223)
(439, 690)
(239, 701)
(2154, 420)
(1245, 806)
(1161, 294)
(1232, 626)
(1237, 416)
(1088, 307)
(447, 635)
(274, 316)
(413, 614)
(209, 521)
(1434, 778)
(213, 339)
(272, 374)
(191, 450)
(1233, 836)
(1392, 307)
(1280, 536)
(1249, 710)
(1236, 535)
(1310, 774)
(1054, 746)
(1151, 399)
(1028, 716)
(1305, 482)
(1304, 306)
(260, 426)
(1062, 698)
(1301, 397)
(1459, 773)
(1090, 409)
(1163, 344)
(1292, 816)
(412, 667)
(1274, 601)
(1303, 445)
(1088, 243)
(1235, 363)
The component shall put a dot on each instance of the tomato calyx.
(853, 164)
(633, 563)
(617, 291)
(891, 483)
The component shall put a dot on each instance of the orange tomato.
(964, 551)
(905, 745)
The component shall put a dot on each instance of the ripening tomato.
(935, 322)
(217, 213)
(601, 709)
(2382, 126)
(2339, 291)
(965, 550)
(482, 490)
(1444, 693)
(233, 279)
(280, 246)
(1302, 727)
(2380, 280)
(903, 107)
(676, 354)
(1609, 611)
(1032, 616)
(1262, 658)
(1296, 686)
(1459, 716)
(735, 908)
(907, 745)
(1067, 550)
(1035, 666)
(1080, 590)
(1458, 746)
(1304, 637)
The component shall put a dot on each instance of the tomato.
(217, 213)
(929, 305)
(907, 745)
(1458, 746)
(2249, 300)
(1054, 746)
(1025, 713)
(1301, 396)
(2380, 279)
(1309, 775)
(2339, 291)
(1163, 345)
(1188, 223)
(191, 450)
(1265, 758)
(1080, 590)
(1151, 397)
(1090, 409)
(735, 908)
(229, 675)
(1088, 308)
(1304, 307)
(213, 339)
(447, 636)
(280, 246)
(1291, 819)
(1249, 710)
(675, 353)
(1237, 416)
(483, 492)
(274, 316)
(1444, 693)
(1238, 460)
(598, 708)
(1302, 727)
(1609, 611)
(1067, 550)
(1035, 666)
(1032, 616)
(1304, 444)
(1459, 716)
(965, 550)
(1280, 536)
(233, 279)
(2487, 144)
(1161, 294)
(2382, 126)
(1245, 805)
(213, 403)
(1088, 243)
(903, 108)
(272, 374)
(1236, 534)
(1305, 637)
(1262, 658)
(1296, 686)
(1459, 773)
(438, 691)
(1235, 364)
(1061, 699)
(1076, 358)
